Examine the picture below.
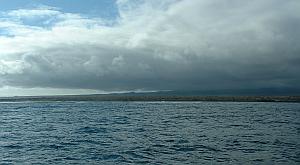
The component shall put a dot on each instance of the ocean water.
(149, 133)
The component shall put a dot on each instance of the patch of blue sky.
(9, 22)
(6, 33)
(40, 21)
(105, 9)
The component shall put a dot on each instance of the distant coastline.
(141, 97)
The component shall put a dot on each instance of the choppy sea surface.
(149, 133)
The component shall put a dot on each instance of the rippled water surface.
(149, 133)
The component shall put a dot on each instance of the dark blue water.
(149, 133)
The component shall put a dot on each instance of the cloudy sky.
(92, 46)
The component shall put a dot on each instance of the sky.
(52, 47)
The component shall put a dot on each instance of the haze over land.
(50, 47)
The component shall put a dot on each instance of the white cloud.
(39, 12)
(11, 67)
(8, 91)
(195, 44)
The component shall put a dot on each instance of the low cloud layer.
(174, 45)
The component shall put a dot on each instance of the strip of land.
(121, 97)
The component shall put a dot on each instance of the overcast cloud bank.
(174, 45)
